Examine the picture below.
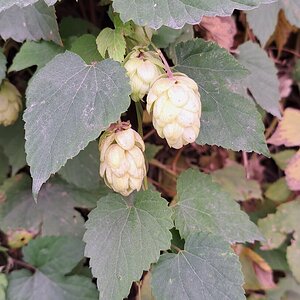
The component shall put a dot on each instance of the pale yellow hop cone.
(176, 107)
(122, 162)
(10, 103)
(143, 67)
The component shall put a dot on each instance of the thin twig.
(23, 264)
(157, 163)
(271, 128)
(176, 248)
(146, 136)
(246, 164)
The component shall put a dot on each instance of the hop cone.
(143, 67)
(176, 107)
(122, 162)
(10, 103)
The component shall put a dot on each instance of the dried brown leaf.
(220, 30)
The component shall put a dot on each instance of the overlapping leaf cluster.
(77, 89)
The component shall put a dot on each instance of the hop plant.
(176, 107)
(122, 162)
(143, 67)
(10, 103)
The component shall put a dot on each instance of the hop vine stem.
(164, 60)
(161, 55)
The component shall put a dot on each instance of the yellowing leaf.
(282, 31)
(292, 172)
(288, 130)
(257, 273)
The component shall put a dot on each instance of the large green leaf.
(287, 289)
(33, 22)
(52, 257)
(2, 65)
(70, 27)
(54, 214)
(292, 11)
(25, 285)
(203, 206)
(85, 46)
(35, 54)
(6, 4)
(233, 180)
(228, 119)
(207, 269)
(263, 20)
(83, 170)
(57, 255)
(69, 103)
(124, 236)
(13, 143)
(175, 13)
(262, 82)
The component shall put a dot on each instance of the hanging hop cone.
(143, 67)
(176, 107)
(122, 162)
(10, 103)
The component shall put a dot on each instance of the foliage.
(215, 219)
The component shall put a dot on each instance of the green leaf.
(151, 151)
(204, 207)
(176, 13)
(169, 38)
(85, 46)
(262, 82)
(276, 258)
(83, 170)
(282, 158)
(4, 166)
(57, 255)
(277, 226)
(292, 254)
(25, 285)
(292, 11)
(69, 103)
(54, 214)
(228, 119)
(53, 257)
(296, 73)
(287, 289)
(124, 236)
(13, 143)
(112, 42)
(34, 54)
(165, 36)
(263, 21)
(5, 4)
(2, 65)
(3, 286)
(233, 180)
(207, 269)
(70, 26)
(278, 191)
(34, 22)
